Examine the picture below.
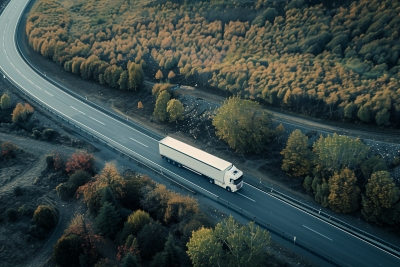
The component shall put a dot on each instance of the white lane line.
(317, 232)
(137, 141)
(73, 108)
(48, 92)
(81, 112)
(96, 120)
(246, 197)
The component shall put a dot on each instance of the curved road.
(319, 234)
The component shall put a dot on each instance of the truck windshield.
(237, 181)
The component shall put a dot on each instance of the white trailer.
(216, 170)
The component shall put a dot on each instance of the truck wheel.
(168, 160)
(211, 180)
(228, 189)
(179, 165)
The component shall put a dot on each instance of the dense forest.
(331, 60)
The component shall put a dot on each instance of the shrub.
(66, 191)
(12, 214)
(47, 134)
(45, 217)
(23, 210)
(81, 161)
(105, 263)
(5, 102)
(67, 250)
(18, 191)
(396, 161)
(79, 178)
(36, 134)
(49, 160)
(21, 113)
(8, 149)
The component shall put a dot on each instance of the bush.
(5, 102)
(105, 263)
(36, 134)
(45, 217)
(66, 191)
(396, 161)
(18, 191)
(79, 178)
(47, 134)
(8, 149)
(21, 113)
(12, 214)
(67, 250)
(23, 210)
(49, 160)
(81, 161)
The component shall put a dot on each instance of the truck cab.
(233, 179)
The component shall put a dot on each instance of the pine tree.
(382, 117)
(130, 261)
(170, 254)
(344, 193)
(108, 196)
(171, 75)
(349, 110)
(297, 161)
(160, 110)
(5, 102)
(106, 223)
(322, 194)
(381, 194)
(175, 110)
(307, 184)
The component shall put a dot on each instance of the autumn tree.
(171, 75)
(371, 165)
(160, 110)
(159, 75)
(334, 152)
(279, 131)
(81, 161)
(175, 110)
(244, 246)
(5, 102)
(140, 106)
(381, 194)
(67, 250)
(297, 157)
(106, 223)
(45, 217)
(160, 87)
(243, 124)
(344, 193)
(123, 80)
(135, 223)
(349, 110)
(21, 113)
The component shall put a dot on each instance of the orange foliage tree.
(8, 149)
(81, 161)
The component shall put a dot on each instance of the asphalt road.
(319, 234)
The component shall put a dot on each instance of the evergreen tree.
(381, 194)
(106, 223)
(307, 183)
(108, 196)
(160, 110)
(297, 159)
(382, 117)
(170, 255)
(130, 261)
(151, 239)
(349, 110)
(371, 165)
(175, 110)
(322, 194)
(344, 192)
(364, 114)
(5, 102)
(123, 80)
(314, 185)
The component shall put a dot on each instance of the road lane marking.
(81, 112)
(73, 108)
(48, 92)
(246, 197)
(317, 232)
(137, 141)
(96, 120)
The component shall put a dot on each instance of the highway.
(319, 234)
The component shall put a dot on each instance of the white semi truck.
(216, 170)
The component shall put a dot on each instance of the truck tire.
(168, 160)
(179, 165)
(211, 180)
(228, 189)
